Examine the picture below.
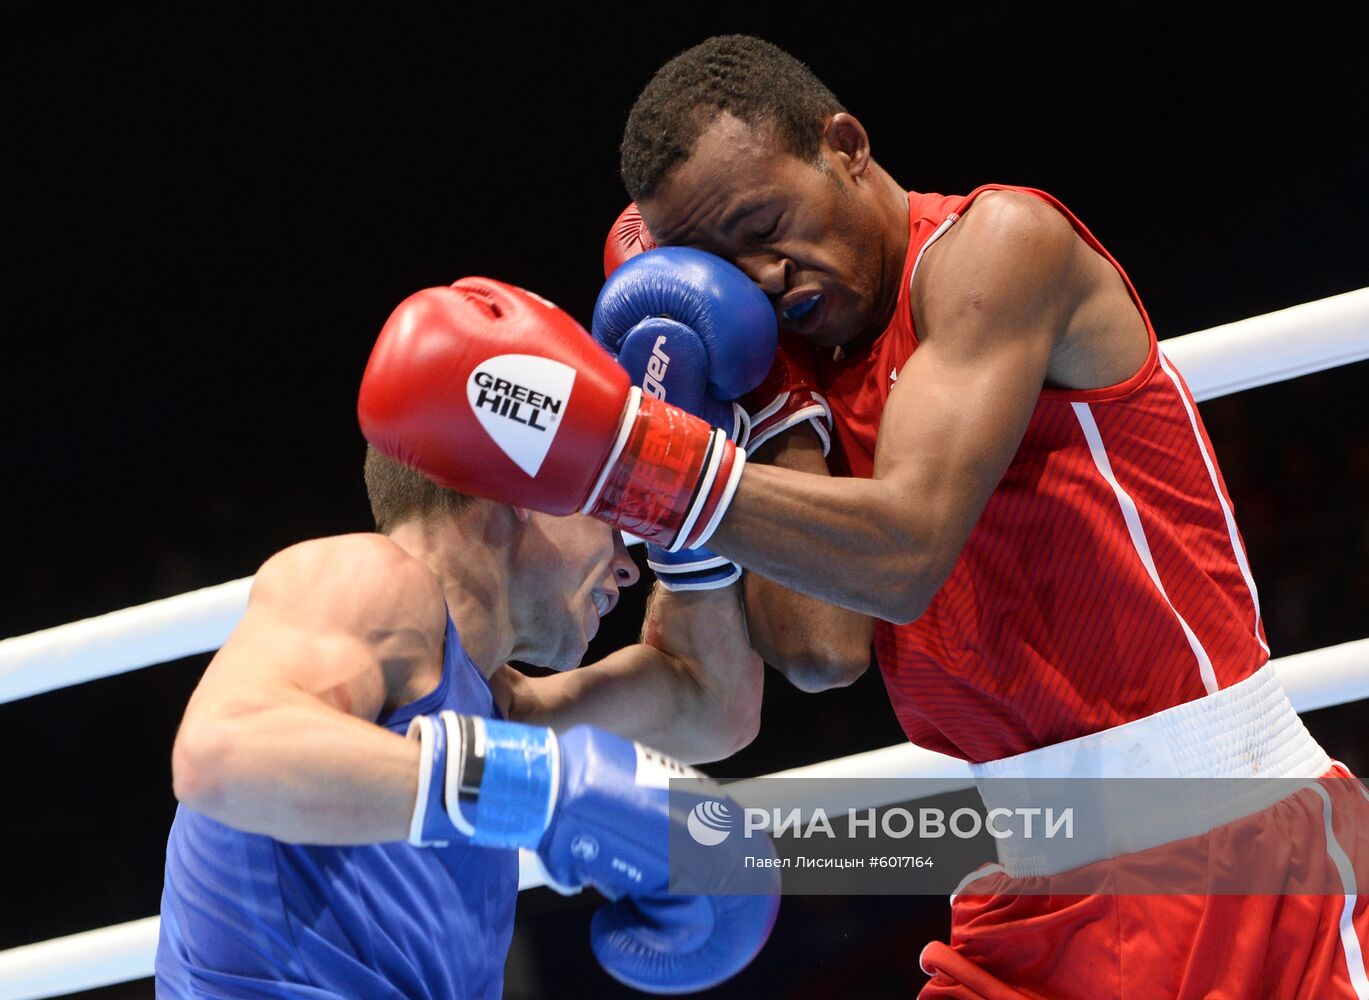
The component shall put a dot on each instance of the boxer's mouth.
(603, 604)
(800, 309)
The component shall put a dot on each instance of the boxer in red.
(1038, 534)
(1028, 520)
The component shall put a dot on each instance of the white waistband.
(1248, 730)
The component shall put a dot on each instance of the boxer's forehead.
(735, 173)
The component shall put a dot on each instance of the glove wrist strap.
(669, 477)
(483, 781)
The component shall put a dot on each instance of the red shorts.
(1010, 938)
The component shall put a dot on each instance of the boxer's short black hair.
(398, 494)
(746, 77)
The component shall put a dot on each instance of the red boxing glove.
(493, 391)
(627, 237)
(788, 396)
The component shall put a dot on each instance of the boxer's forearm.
(705, 631)
(884, 546)
(301, 773)
(691, 689)
(851, 542)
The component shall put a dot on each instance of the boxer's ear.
(846, 137)
(522, 514)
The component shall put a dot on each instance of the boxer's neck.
(468, 556)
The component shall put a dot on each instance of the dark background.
(209, 219)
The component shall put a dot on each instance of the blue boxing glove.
(691, 329)
(597, 810)
(669, 361)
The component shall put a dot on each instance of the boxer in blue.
(359, 762)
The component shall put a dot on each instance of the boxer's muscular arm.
(816, 645)
(691, 688)
(992, 305)
(279, 737)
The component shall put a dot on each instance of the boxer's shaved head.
(398, 494)
(740, 75)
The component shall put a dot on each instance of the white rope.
(1224, 359)
(1274, 347)
(78, 962)
(121, 640)
(116, 954)
(1332, 675)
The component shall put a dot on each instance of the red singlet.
(1105, 579)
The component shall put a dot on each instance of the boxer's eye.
(768, 234)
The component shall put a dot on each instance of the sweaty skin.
(1008, 301)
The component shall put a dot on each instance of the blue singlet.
(244, 915)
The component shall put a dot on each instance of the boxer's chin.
(568, 651)
(591, 625)
(848, 324)
(832, 324)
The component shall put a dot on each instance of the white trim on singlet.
(1124, 500)
(1231, 531)
(940, 231)
(1138, 537)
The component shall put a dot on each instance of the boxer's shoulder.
(358, 559)
(997, 224)
(1009, 250)
(361, 583)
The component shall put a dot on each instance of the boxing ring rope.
(1215, 362)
